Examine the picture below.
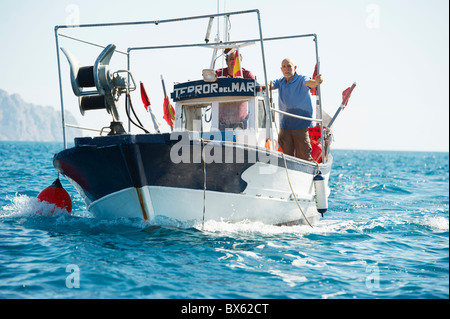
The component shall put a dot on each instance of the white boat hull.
(187, 209)
(267, 198)
(134, 177)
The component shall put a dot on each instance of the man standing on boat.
(233, 114)
(228, 71)
(294, 98)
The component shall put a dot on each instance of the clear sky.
(396, 51)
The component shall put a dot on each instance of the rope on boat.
(129, 117)
(285, 166)
(292, 191)
(204, 182)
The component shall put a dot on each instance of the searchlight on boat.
(209, 75)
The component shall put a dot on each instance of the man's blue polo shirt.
(293, 97)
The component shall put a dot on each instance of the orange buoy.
(276, 146)
(55, 194)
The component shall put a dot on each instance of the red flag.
(314, 90)
(169, 113)
(144, 97)
(346, 95)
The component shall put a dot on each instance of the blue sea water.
(385, 235)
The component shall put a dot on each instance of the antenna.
(208, 31)
(218, 22)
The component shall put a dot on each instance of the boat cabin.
(229, 109)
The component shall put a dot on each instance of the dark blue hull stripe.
(104, 165)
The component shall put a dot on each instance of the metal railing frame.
(269, 109)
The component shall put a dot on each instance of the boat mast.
(63, 122)
(217, 38)
(319, 101)
(269, 133)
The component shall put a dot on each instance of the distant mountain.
(21, 121)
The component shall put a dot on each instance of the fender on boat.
(321, 195)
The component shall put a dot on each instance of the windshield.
(197, 117)
(233, 115)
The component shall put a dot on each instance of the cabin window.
(233, 115)
(261, 114)
(197, 117)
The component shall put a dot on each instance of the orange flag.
(169, 112)
(237, 65)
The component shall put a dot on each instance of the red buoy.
(55, 194)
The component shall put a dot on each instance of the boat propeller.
(99, 88)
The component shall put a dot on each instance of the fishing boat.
(204, 168)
